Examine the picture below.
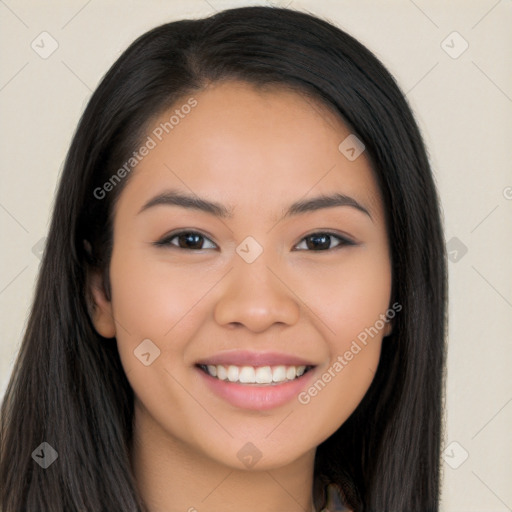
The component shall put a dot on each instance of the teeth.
(222, 374)
(247, 374)
(291, 372)
(264, 375)
(279, 374)
(255, 375)
(232, 373)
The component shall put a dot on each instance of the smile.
(267, 375)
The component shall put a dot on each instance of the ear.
(100, 308)
(388, 328)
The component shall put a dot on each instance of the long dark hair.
(68, 387)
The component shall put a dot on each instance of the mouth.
(255, 375)
(255, 380)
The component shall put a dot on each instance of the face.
(251, 286)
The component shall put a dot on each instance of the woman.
(183, 353)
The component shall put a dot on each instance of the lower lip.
(259, 397)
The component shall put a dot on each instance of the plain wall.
(463, 104)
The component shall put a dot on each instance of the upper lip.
(252, 358)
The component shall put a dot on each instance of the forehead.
(251, 148)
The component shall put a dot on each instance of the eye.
(191, 240)
(321, 241)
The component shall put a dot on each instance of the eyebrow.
(176, 198)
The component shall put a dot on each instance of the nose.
(257, 297)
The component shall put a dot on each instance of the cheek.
(338, 389)
(351, 301)
(349, 295)
(153, 299)
(152, 288)
(161, 302)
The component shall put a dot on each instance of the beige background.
(463, 106)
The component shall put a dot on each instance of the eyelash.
(343, 241)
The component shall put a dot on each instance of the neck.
(172, 476)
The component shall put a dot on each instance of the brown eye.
(195, 241)
(322, 241)
(188, 240)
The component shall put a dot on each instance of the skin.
(252, 151)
